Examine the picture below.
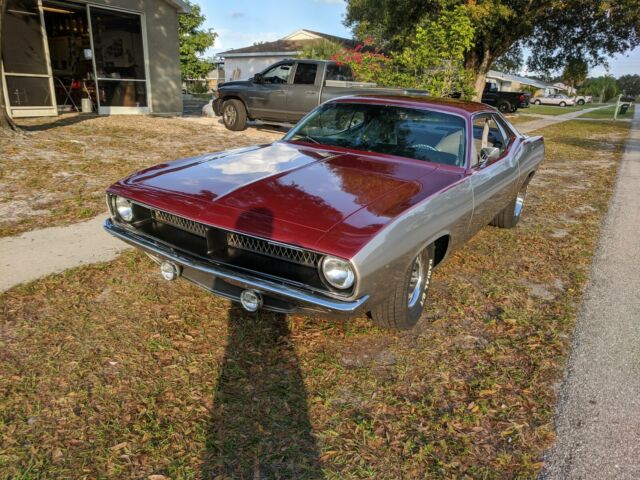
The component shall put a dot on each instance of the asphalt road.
(598, 416)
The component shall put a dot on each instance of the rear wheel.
(504, 106)
(510, 215)
(537, 102)
(403, 308)
(580, 102)
(563, 104)
(234, 115)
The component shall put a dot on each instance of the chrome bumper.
(209, 275)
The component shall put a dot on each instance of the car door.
(494, 183)
(267, 100)
(303, 93)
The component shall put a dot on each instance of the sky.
(241, 23)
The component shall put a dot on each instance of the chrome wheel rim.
(229, 115)
(416, 282)
(522, 194)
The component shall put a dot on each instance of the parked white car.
(555, 99)
(582, 99)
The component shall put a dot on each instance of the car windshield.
(420, 134)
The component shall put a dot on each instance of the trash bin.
(623, 108)
(86, 106)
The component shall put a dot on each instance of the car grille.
(264, 247)
(181, 223)
(242, 242)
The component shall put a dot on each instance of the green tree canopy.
(323, 50)
(604, 88)
(555, 31)
(194, 41)
(629, 84)
(575, 72)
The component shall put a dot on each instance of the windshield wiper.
(307, 137)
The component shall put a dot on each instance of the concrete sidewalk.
(598, 416)
(552, 120)
(38, 253)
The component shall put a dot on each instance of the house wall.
(243, 68)
(161, 24)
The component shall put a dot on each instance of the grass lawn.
(56, 173)
(607, 113)
(110, 372)
(521, 118)
(556, 110)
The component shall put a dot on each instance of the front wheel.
(234, 115)
(538, 102)
(510, 215)
(504, 106)
(403, 308)
(580, 102)
(563, 104)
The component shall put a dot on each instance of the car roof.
(408, 100)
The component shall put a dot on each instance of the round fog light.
(169, 271)
(251, 300)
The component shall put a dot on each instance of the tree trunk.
(479, 62)
(6, 122)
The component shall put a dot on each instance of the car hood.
(291, 193)
(234, 83)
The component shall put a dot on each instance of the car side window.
(486, 133)
(278, 74)
(305, 74)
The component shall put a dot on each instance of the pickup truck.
(287, 90)
(506, 102)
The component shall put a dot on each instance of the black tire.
(234, 115)
(513, 110)
(537, 102)
(510, 215)
(580, 102)
(563, 104)
(504, 106)
(401, 311)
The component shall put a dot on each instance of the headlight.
(124, 208)
(338, 272)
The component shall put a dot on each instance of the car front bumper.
(225, 282)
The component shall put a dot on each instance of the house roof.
(509, 77)
(180, 5)
(292, 44)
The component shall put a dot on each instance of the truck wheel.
(513, 109)
(234, 115)
(402, 309)
(580, 102)
(537, 102)
(504, 106)
(510, 215)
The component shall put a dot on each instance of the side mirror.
(488, 154)
(257, 78)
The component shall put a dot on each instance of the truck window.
(278, 74)
(305, 74)
(339, 72)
